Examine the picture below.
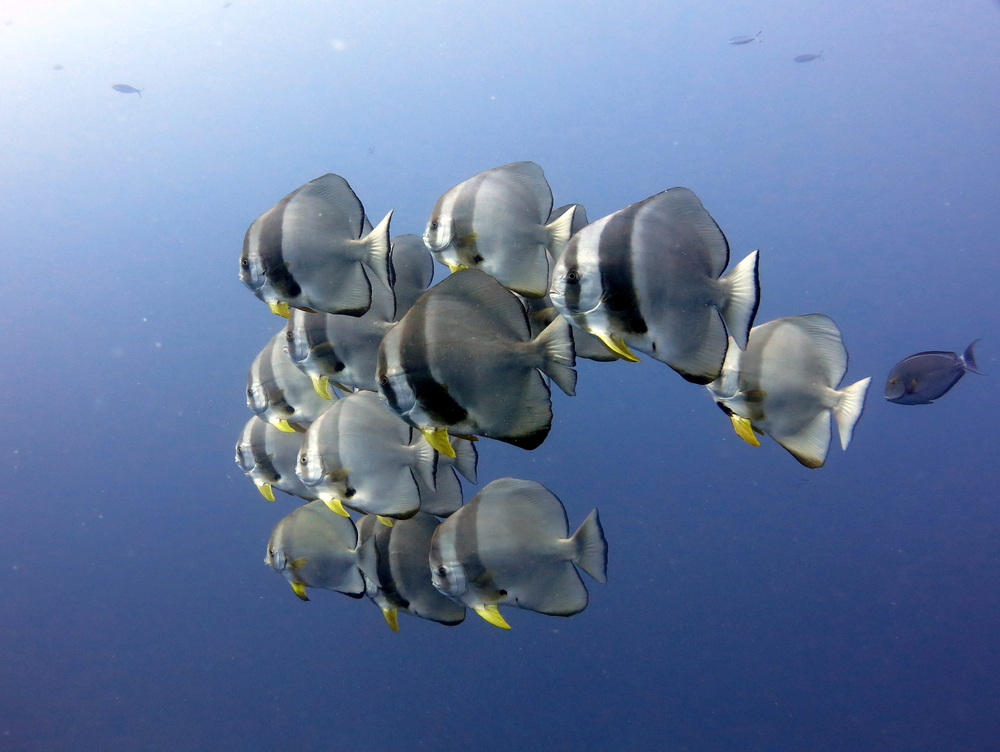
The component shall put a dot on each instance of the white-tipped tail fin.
(848, 409)
(425, 457)
(560, 231)
(558, 356)
(742, 299)
(591, 548)
(378, 255)
(466, 459)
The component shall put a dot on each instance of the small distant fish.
(510, 546)
(58, 66)
(400, 579)
(745, 40)
(313, 547)
(126, 89)
(226, 5)
(280, 393)
(269, 457)
(785, 385)
(496, 222)
(807, 57)
(922, 378)
(462, 360)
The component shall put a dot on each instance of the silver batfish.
(496, 222)
(308, 251)
(785, 385)
(922, 378)
(649, 277)
(269, 457)
(314, 548)
(510, 546)
(280, 393)
(462, 360)
(401, 577)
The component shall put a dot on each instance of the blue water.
(752, 604)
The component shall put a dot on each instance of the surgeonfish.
(807, 57)
(269, 457)
(496, 222)
(401, 578)
(785, 385)
(510, 546)
(126, 89)
(361, 455)
(280, 393)
(649, 277)
(446, 496)
(922, 378)
(745, 40)
(314, 548)
(309, 251)
(462, 360)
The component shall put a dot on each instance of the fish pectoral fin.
(321, 386)
(336, 506)
(618, 347)
(391, 619)
(265, 491)
(492, 614)
(298, 563)
(456, 267)
(387, 521)
(744, 429)
(300, 590)
(280, 309)
(438, 438)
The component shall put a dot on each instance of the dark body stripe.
(614, 251)
(467, 553)
(387, 581)
(463, 218)
(432, 397)
(269, 248)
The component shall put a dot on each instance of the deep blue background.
(752, 604)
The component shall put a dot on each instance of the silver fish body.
(807, 57)
(269, 457)
(510, 546)
(400, 579)
(308, 251)
(785, 385)
(462, 360)
(314, 548)
(926, 376)
(496, 222)
(446, 496)
(650, 277)
(361, 455)
(413, 270)
(745, 40)
(280, 393)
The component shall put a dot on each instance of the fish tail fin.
(426, 463)
(591, 548)
(849, 406)
(969, 359)
(368, 560)
(559, 233)
(742, 285)
(378, 257)
(466, 459)
(558, 356)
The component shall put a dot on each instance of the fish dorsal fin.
(337, 192)
(825, 335)
(532, 177)
(684, 217)
(530, 502)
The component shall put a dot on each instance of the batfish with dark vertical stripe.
(785, 385)
(401, 578)
(510, 546)
(462, 360)
(496, 222)
(280, 393)
(309, 251)
(269, 457)
(314, 548)
(650, 277)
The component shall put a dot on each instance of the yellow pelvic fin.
(280, 309)
(618, 347)
(284, 425)
(492, 614)
(456, 267)
(387, 521)
(300, 590)
(390, 618)
(438, 438)
(298, 563)
(744, 429)
(265, 491)
(320, 384)
(336, 506)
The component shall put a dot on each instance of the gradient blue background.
(752, 604)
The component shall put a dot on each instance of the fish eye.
(502, 593)
(270, 552)
(435, 224)
(383, 380)
(304, 459)
(442, 571)
(289, 335)
(290, 410)
(245, 263)
(573, 277)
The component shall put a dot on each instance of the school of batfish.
(372, 397)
